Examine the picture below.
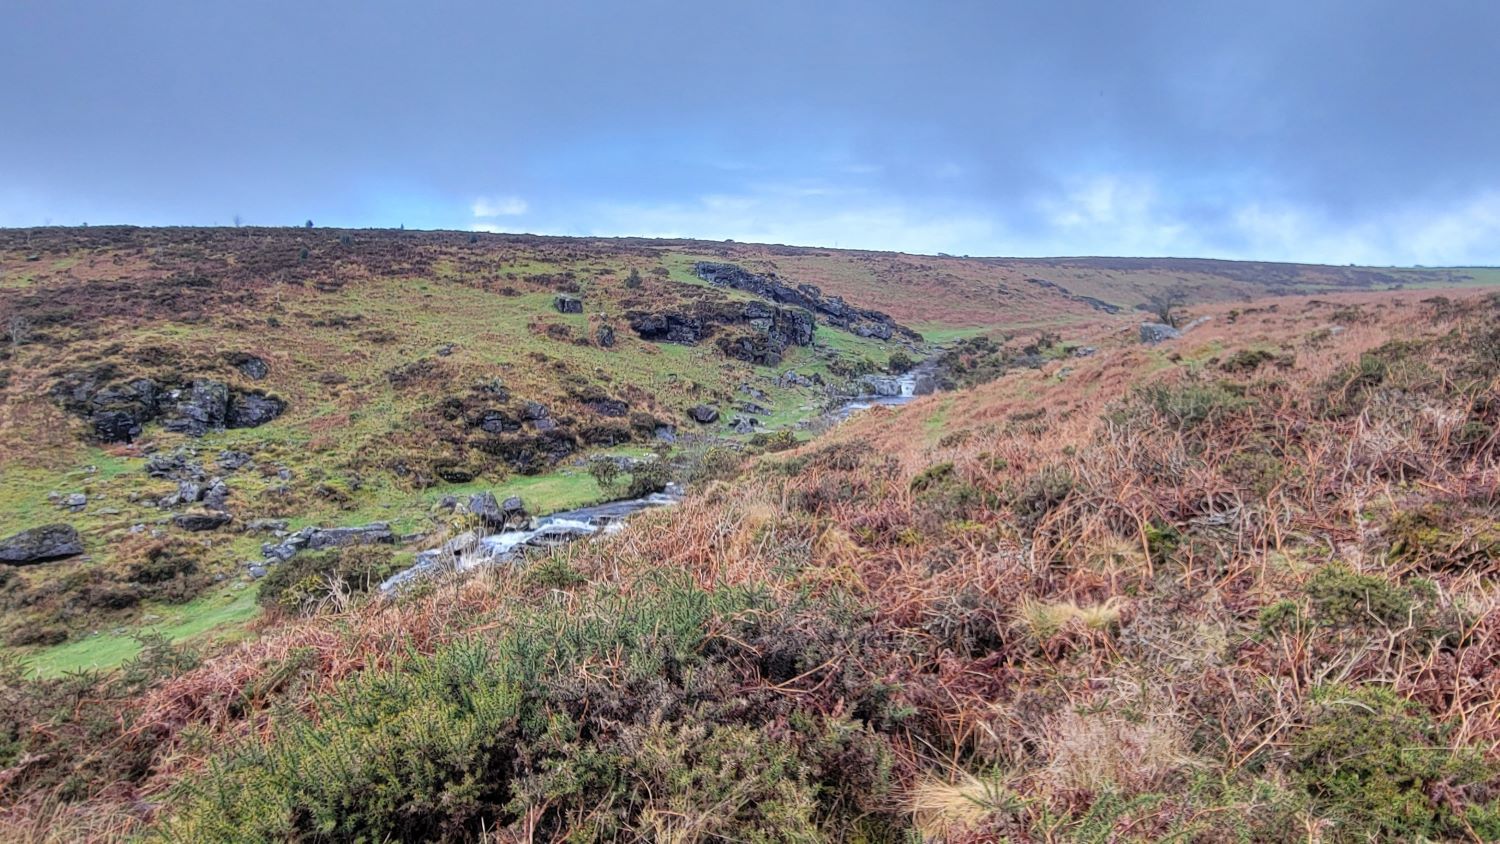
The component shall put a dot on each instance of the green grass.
(220, 614)
(935, 333)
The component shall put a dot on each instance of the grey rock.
(230, 460)
(188, 492)
(566, 304)
(1085, 352)
(882, 386)
(744, 424)
(495, 515)
(76, 501)
(176, 465)
(251, 366)
(199, 408)
(265, 525)
(604, 335)
(533, 411)
(258, 571)
(40, 545)
(201, 521)
(339, 537)
(1157, 332)
(215, 497)
(703, 414)
(251, 410)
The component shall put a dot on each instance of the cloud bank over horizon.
(1348, 131)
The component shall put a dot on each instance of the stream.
(568, 525)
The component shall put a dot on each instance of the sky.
(1330, 131)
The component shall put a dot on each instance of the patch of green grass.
(938, 333)
(221, 613)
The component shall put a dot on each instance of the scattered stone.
(339, 537)
(230, 460)
(201, 521)
(258, 571)
(883, 386)
(76, 501)
(566, 304)
(790, 378)
(703, 414)
(250, 366)
(1157, 332)
(40, 545)
(495, 515)
(215, 497)
(1085, 352)
(188, 492)
(445, 350)
(665, 433)
(744, 424)
(447, 503)
(176, 465)
(608, 407)
(605, 336)
(265, 525)
(533, 411)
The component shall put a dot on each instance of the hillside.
(1238, 585)
(157, 381)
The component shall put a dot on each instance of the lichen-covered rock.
(1157, 332)
(251, 410)
(199, 408)
(40, 545)
(201, 521)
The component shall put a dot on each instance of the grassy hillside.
(387, 348)
(1237, 586)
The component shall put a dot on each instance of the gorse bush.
(1380, 769)
(600, 721)
(314, 579)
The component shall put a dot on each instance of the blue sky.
(1336, 131)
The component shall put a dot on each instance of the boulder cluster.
(832, 310)
(767, 330)
(118, 408)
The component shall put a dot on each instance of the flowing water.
(568, 525)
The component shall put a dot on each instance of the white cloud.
(499, 206)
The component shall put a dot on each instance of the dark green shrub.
(481, 733)
(306, 581)
(1340, 597)
(1193, 404)
(1040, 493)
(1380, 769)
(648, 476)
(931, 476)
(900, 362)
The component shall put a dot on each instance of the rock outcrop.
(498, 516)
(1157, 332)
(40, 545)
(118, 408)
(763, 332)
(703, 414)
(318, 538)
(833, 310)
(201, 521)
(566, 304)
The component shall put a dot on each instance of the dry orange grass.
(1028, 640)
